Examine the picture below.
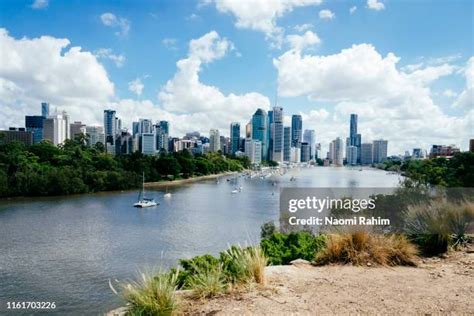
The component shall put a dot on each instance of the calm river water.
(65, 249)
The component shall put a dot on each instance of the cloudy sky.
(406, 67)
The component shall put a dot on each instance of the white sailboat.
(142, 200)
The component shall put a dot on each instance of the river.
(65, 249)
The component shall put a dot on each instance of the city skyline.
(415, 97)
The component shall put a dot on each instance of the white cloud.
(111, 20)
(391, 104)
(326, 15)
(260, 15)
(466, 97)
(170, 43)
(449, 93)
(49, 69)
(303, 27)
(300, 42)
(136, 86)
(39, 4)
(375, 5)
(107, 53)
(202, 105)
(352, 10)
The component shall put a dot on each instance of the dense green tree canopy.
(44, 169)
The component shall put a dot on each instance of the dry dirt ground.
(436, 286)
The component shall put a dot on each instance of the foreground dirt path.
(436, 286)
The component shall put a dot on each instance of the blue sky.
(424, 33)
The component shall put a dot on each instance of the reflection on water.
(65, 249)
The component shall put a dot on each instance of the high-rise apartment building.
(286, 143)
(95, 134)
(277, 134)
(380, 150)
(336, 150)
(56, 128)
(367, 154)
(234, 137)
(354, 139)
(147, 143)
(214, 140)
(309, 136)
(77, 128)
(253, 150)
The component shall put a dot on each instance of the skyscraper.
(214, 140)
(34, 124)
(351, 154)
(277, 134)
(367, 154)
(248, 130)
(253, 150)
(305, 152)
(135, 128)
(354, 139)
(309, 137)
(95, 135)
(336, 150)
(147, 143)
(296, 130)
(380, 150)
(165, 126)
(145, 126)
(44, 109)
(56, 128)
(259, 130)
(234, 137)
(109, 126)
(77, 128)
(286, 143)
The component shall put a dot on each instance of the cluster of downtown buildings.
(266, 138)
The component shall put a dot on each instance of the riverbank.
(161, 184)
(437, 285)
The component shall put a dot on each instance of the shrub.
(434, 226)
(207, 281)
(190, 267)
(283, 248)
(152, 295)
(360, 248)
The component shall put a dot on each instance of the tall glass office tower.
(260, 130)
(234, 137)
(296, 130)
(44, 109)
(355, 139)
(109, 126)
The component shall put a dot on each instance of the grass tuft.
(434, 226)
(207, 281)
(152, 294)
(361, 248)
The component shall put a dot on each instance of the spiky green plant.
(151, 294)
(207, 281)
